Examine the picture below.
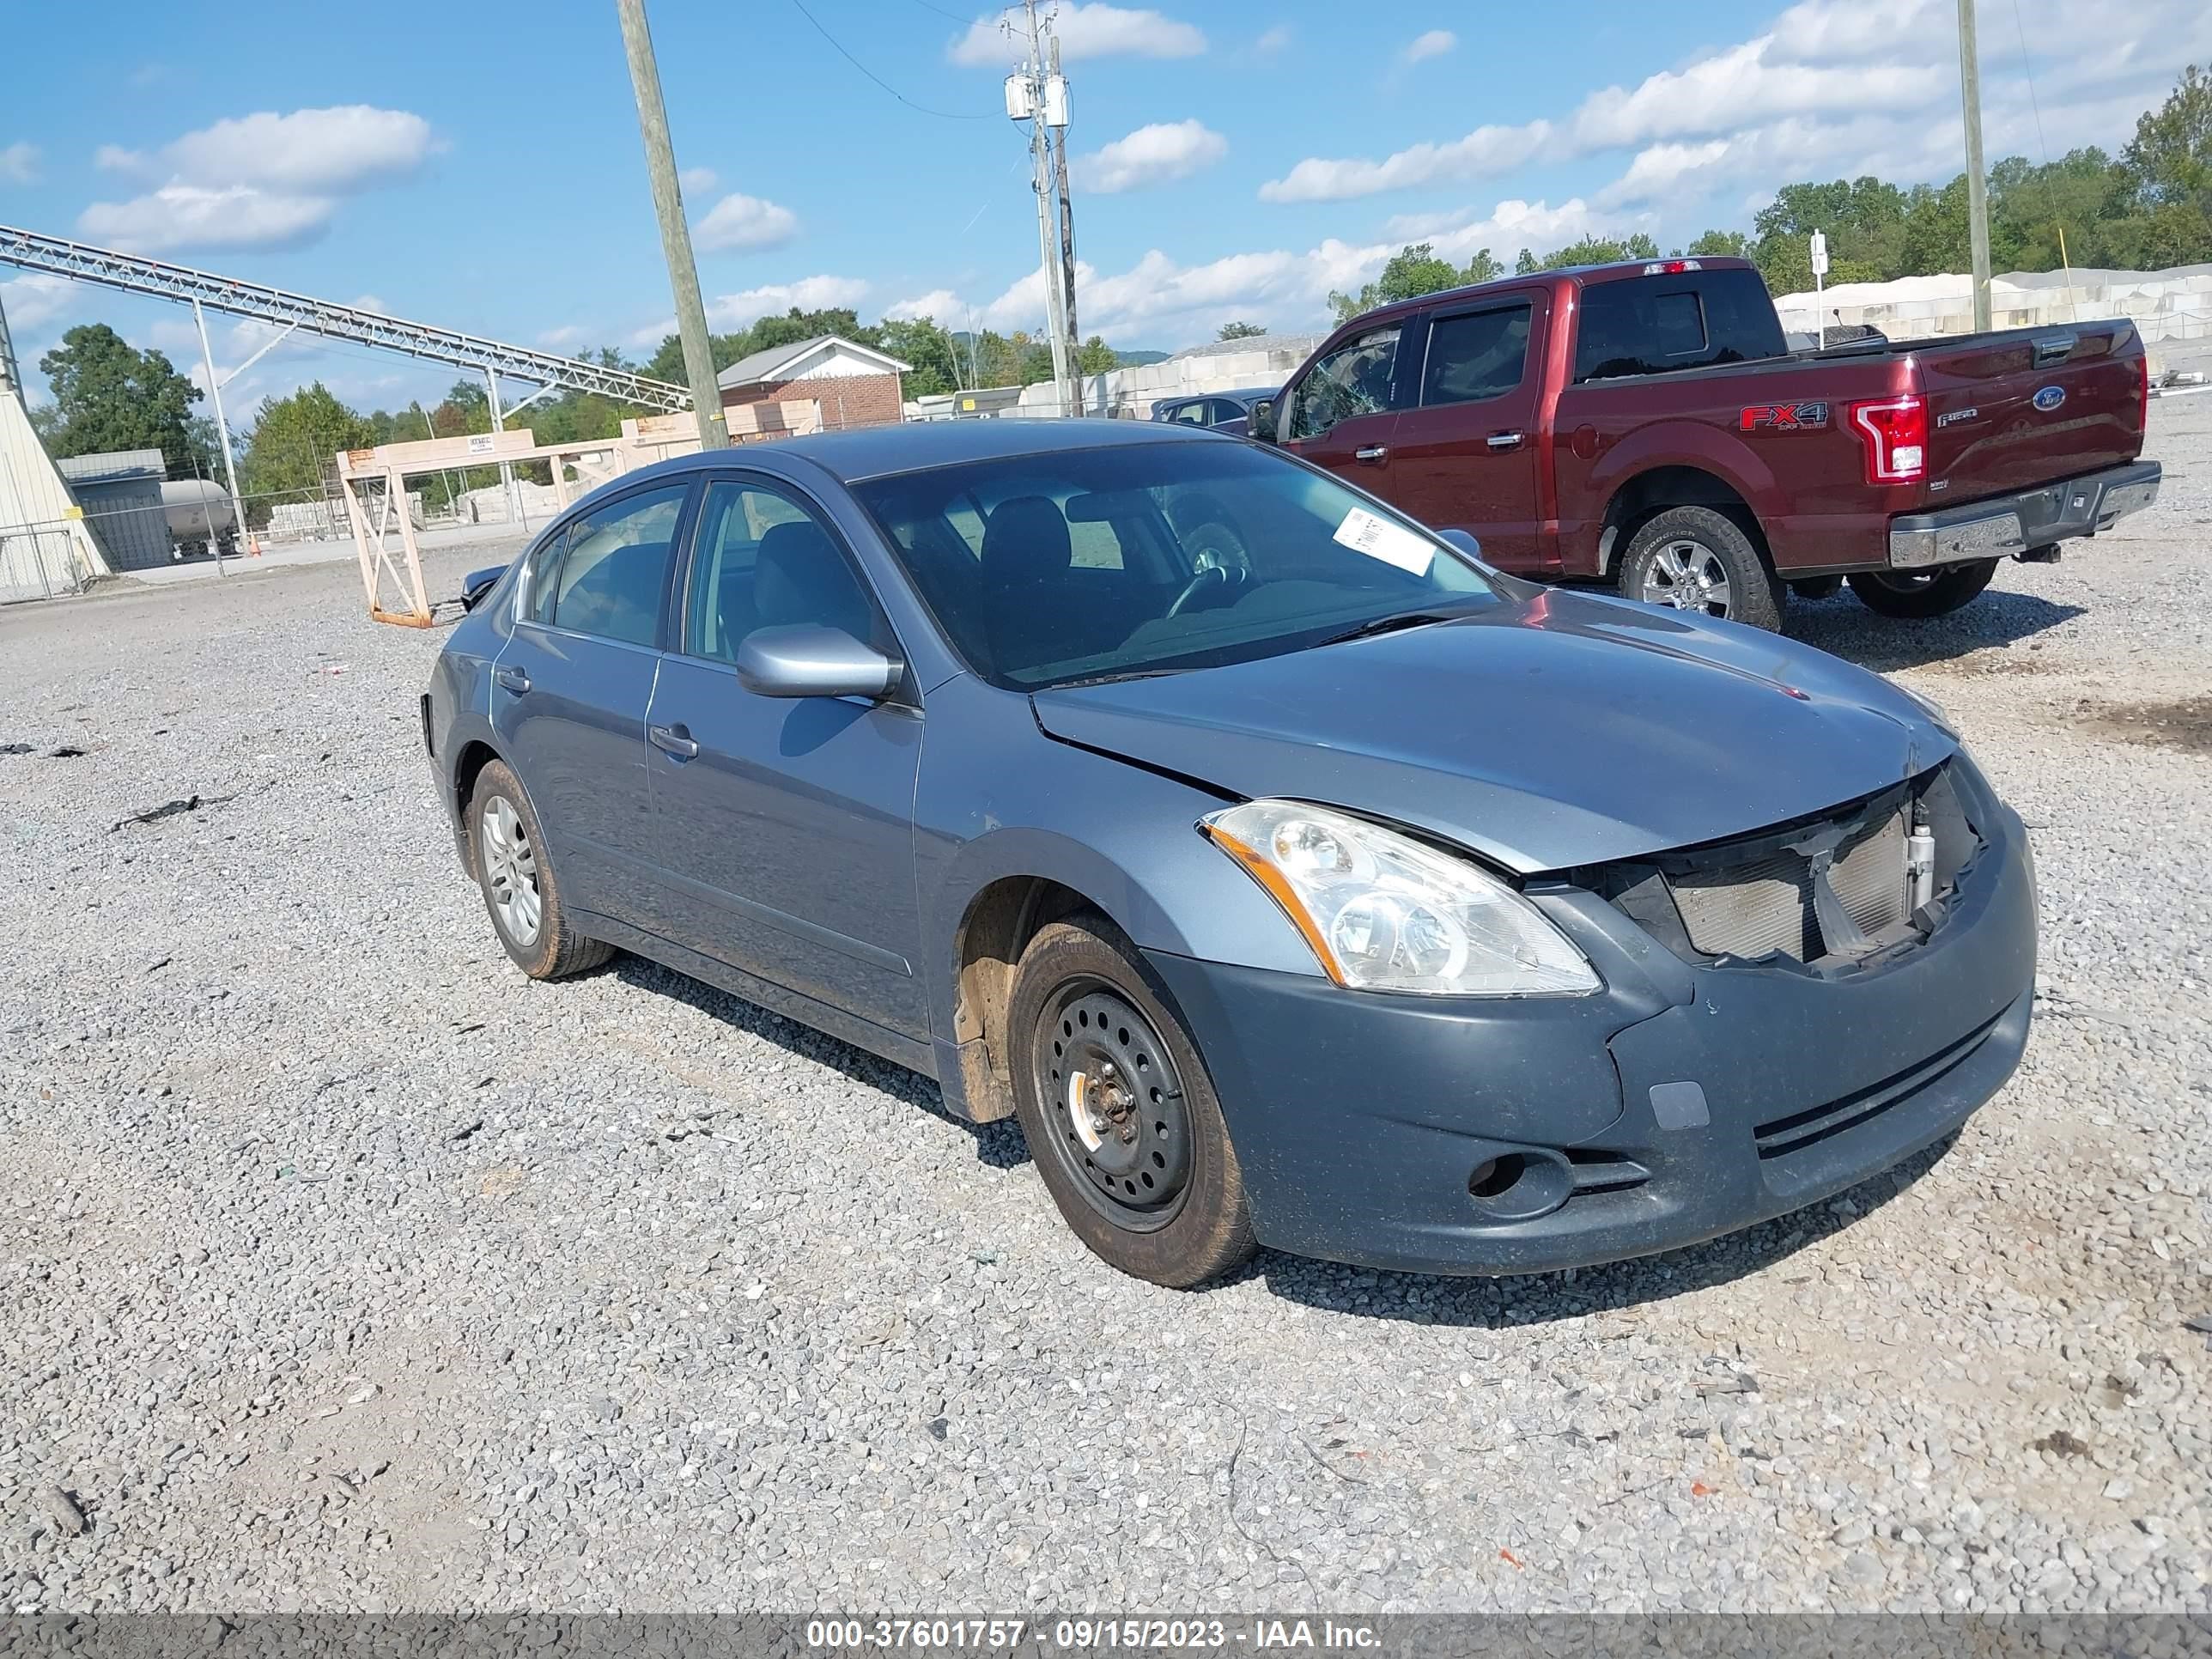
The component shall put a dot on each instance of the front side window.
(1190, 414)
(1355, 379)
(1221, 553)
(1477, 357)
(761, 560)
(616, 565)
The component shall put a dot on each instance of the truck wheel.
(1119, 1112)
(1915, 594)
(1693, 558)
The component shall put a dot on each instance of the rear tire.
(515, 870)
(1915, 595)
(1698, 559)
(1119, 1113)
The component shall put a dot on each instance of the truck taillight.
(1671, 267)
(1895, 435)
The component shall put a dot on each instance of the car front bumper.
(1640, 1120)
(2006, 526)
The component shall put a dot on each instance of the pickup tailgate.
(2010, 412)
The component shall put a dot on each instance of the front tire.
(515, 870)
(1915, 595)
(1699, 559)
(1119, 1113)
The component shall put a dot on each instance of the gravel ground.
(342, 1268)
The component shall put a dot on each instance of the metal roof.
(756, 367)
(115, 464)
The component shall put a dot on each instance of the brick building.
(855, 384)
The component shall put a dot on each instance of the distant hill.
(1139, 359)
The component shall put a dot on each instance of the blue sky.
(478, 166)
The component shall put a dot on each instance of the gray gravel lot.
(342, 1267)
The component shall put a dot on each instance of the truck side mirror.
(1262, 424)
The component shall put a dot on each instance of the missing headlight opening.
(1852, 886)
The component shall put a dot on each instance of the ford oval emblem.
(2050, 397)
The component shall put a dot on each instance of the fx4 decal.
(1783, 418)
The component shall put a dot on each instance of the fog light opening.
(1495, 1176)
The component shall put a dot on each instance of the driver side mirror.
(1462, 539)
(807, 661)
(1262, 424)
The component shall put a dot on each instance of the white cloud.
(34, 302)
(1747, 84)
(1096, 30)
(731, 312)
(19, 164)
(1506, 228)
(1154, 155)
(740, 221)
(308, 152)
(566, 335)
(115, 159)
(941, 304)
(191, 215)
(1435, 44)
(1663, 170)
(1487, 149)
(1275, 40)
(700, 180)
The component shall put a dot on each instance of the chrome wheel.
(1686, 575)
(1118, 1123)
(510, 872)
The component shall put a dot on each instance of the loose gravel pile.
(340, 1267)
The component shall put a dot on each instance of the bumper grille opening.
(1597, 1171)
(1800, 1130)
(1766, 905)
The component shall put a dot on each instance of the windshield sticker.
(1378, 538)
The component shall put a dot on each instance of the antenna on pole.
(1978, 189)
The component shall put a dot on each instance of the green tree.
(294, 443)
(1240, 331)
(1721, 244)
(939, 363)
(1597, 250)
(1412, 271)
(1095, 357)
(2169, 158)
(108, 395)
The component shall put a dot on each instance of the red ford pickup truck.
(1647, 424)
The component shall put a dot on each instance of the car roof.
(1616, 270)
(917, 445)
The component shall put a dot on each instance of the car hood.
(1551, 731)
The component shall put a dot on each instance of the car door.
(1342, 413)
(785, 825)
(1463, 454)
(570, 691)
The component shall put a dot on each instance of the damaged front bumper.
(1688, 1099)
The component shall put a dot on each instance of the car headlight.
(1384, 912)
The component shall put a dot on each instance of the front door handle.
(513, 680)
(1373, 454)
(1503, 441)
(674, 741)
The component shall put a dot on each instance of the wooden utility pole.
(1066, 244)
(675, 234)
(1978, 189)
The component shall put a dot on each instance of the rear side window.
(616, 565)
(1481, 354)
(1656, 324)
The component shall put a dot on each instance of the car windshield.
(1152, 558)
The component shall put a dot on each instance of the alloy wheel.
(510, 867)
(1686, 575)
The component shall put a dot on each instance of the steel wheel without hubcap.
(1115, 1106)
(1687, 575)
(510, 866)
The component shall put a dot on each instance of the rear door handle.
(674, 741)
(1503, 441)
(513, 680)
(1372, 454)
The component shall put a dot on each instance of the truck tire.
(1915, 595)
(1699, 559)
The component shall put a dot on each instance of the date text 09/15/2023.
(991, 1635)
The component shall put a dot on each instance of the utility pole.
(1026, 100)
(1978, 197)
(675, 234)
(1067, 226)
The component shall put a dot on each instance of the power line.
(942, 115)
(941, 12)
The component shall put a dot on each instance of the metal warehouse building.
(121, 495)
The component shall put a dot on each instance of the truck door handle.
(1503, 441)
(513, 680)
(674, 741)
(1372, 453)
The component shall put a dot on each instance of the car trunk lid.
(2011, 411)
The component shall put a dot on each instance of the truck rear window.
(1656, 324)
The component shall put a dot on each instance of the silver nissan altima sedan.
(1294, 878)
